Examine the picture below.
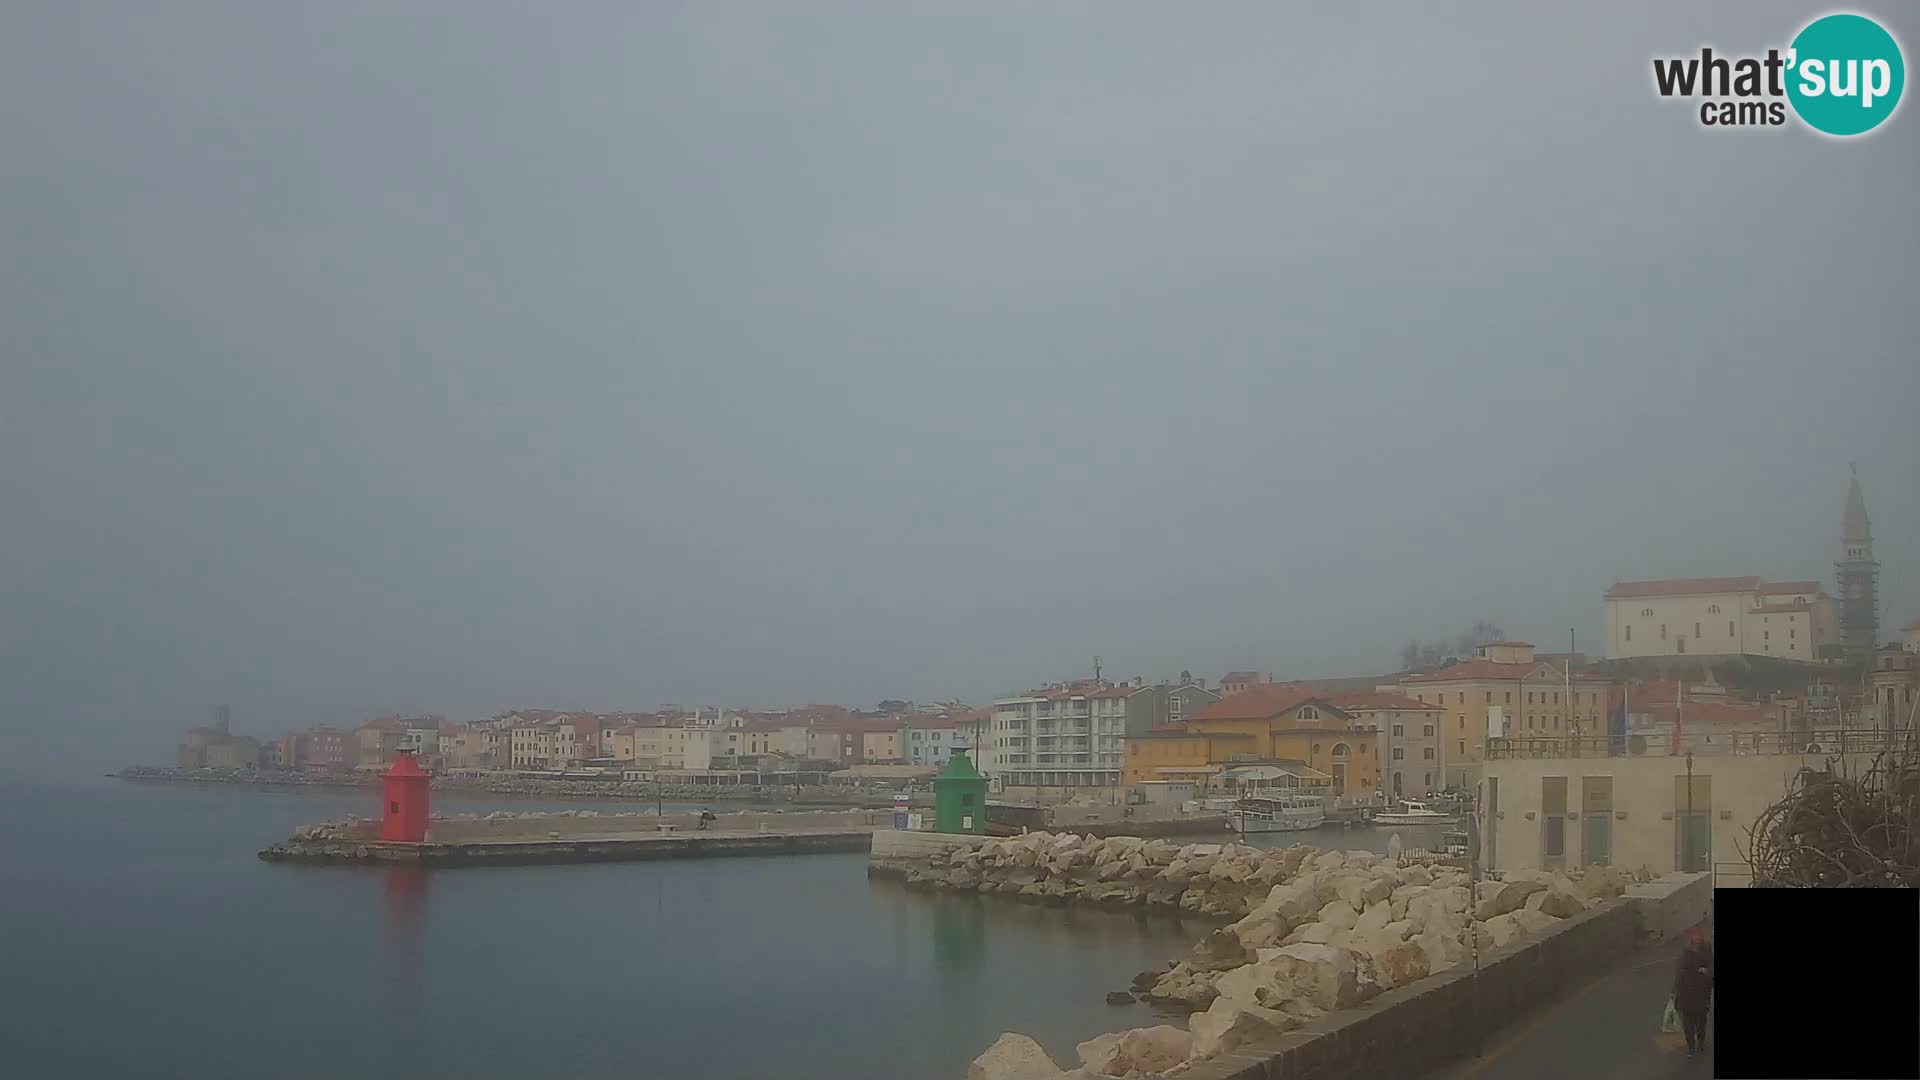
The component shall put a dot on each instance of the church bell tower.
(1858, 577)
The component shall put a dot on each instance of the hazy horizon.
(445, 358)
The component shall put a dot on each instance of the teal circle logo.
(1845, 74)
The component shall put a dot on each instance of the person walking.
(1693, 988)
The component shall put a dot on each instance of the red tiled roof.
(1240, 677)
(1791, 587)
(1373, 702)
(1182, 731)
(1679, 586)
(1475, 669)
(1260, 702)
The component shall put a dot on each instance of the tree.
(891, 706)
(1410, 654)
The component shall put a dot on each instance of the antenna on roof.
(1096, 669)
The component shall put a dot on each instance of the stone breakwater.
(1316, 932)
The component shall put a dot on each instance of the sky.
(361, 358)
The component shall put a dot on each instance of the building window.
(1696, 629)
(1729, 627)
(1427, 730)
(1646, 612)
(1663, 631)
(1308, 712)
(1399, 730)
(1713, 609)
(1428, 754)
(1489, 697)
(1398, 753)
(1460, 697)
(1629, 633)
(1463, 747)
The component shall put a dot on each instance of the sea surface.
(144, 939)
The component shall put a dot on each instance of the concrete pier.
(617, 848)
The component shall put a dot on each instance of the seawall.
(1409, 1030)
(551, 852)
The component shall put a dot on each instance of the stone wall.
(1320, 934)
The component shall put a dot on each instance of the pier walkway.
(1607, 1028)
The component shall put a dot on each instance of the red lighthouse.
(403, 791)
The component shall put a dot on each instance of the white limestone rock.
(1013, 1057)
(1140, 1052)
(1226, 1025)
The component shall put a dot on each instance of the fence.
(1820, 743)
(1732, 875)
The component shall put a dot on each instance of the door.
(1596, 820)
(1692, 824)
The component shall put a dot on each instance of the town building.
(1279, 724)
(1910, 636)
(1504, 691)
(1685, 805)
(930, 738)
(1150, 707)
(1234, 682)
(378, 741)
(1408, 748)
(1732, 616)
(1893, 688)
(1052, 741)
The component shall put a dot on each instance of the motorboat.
(1277, 811)
(1414, 813)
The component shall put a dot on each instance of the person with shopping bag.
(1692, 990)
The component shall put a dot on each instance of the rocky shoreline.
(1316, 932)
(522, 787)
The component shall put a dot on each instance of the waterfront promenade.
(1604, 1028)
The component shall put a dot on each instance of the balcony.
(1818, 743)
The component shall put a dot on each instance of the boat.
(1454, 844)
(1414, 813)
(1261, 811)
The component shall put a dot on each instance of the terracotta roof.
(1240, 677)
(1116, 692)
(1775, 609)
(1791, 587)
(1679, 586)
(1260, 702)
(1372, 702)
(1475, 669)
(1174, 731)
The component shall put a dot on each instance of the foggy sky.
(455, 357)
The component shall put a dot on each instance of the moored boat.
(1414, 813)
(1277, 811)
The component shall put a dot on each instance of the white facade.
(1061, 737)
(1718, 617)
(923, 744)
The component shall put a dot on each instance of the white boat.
(1261, 811)
(1413, 813)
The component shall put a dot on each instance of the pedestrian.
(1693, 988)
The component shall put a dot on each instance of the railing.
(1732, 875)
(1822, 743)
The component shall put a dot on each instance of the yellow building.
(1506, 692)
(1267, 722)
(1168, 754)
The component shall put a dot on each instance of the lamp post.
(1686, 833)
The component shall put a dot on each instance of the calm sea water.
(145, 940)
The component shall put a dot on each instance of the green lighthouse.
(960, 797)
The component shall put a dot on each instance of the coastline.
(516, 788)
